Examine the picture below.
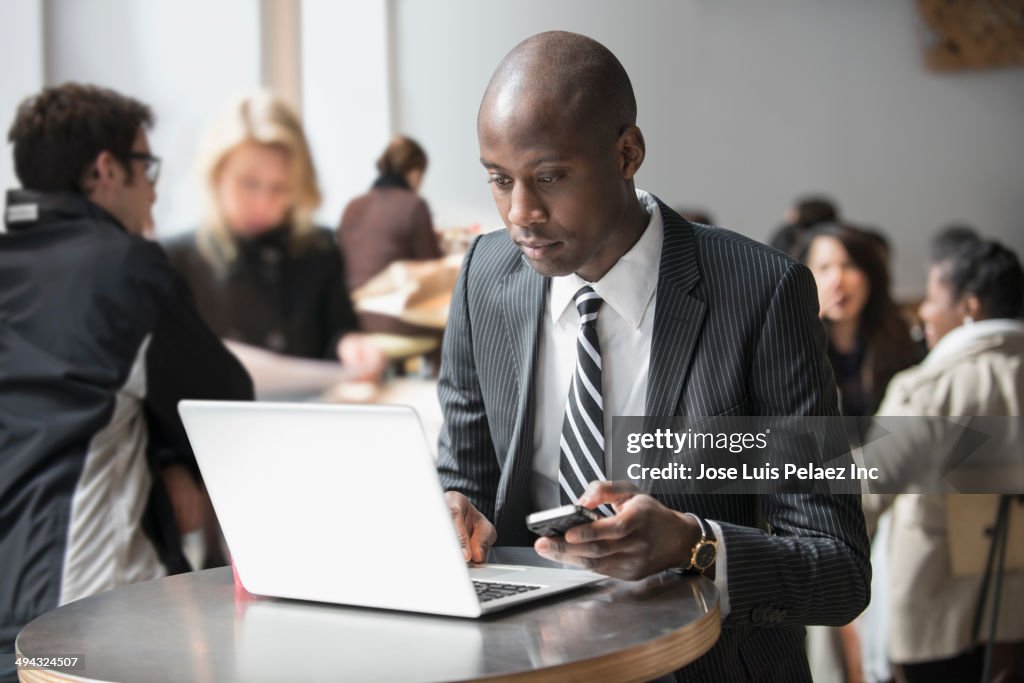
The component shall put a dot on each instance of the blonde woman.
(263, 275)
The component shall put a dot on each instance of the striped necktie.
(582, 442)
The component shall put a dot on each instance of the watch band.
(706, 533)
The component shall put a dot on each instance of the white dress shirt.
(625, 327)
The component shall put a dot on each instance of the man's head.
(81, 138)
(558, 137)
(812, 210)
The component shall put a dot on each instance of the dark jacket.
(736, 332)
(280, 293)
(385, 225)
(99, 340)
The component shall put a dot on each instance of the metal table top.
(198, 627)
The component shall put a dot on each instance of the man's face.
(562, 192)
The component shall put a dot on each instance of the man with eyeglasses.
(99, 340)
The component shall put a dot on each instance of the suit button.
(275, 341)
(757, 615)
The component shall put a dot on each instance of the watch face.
(705, 556)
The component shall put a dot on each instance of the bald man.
(598, 300)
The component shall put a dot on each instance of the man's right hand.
(476, 533)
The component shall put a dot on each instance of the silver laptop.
(342, 504)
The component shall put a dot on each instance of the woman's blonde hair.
(265, 119)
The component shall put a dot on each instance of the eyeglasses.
(152, 170)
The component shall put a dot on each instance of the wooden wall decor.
(972, 34)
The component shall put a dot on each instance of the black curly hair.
(989, 271)
(58, 133)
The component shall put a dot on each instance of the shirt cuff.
(721, 573)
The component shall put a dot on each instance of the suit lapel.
(678, 316)
(522, 308)
(522, 295)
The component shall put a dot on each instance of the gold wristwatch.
(705, 550)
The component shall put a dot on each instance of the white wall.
(21, 53)
(744, 106)
(187, 58)
(184, 58)
(345, 95)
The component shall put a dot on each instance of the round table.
(199, 627)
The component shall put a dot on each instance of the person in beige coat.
(975, 366)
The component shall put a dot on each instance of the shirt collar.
(27, 209)
(629, 286)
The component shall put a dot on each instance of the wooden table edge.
(636, 664)
(47, 676)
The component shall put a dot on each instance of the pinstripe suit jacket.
(736, 332)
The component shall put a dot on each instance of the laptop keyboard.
(490, 590)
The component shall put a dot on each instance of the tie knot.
(588, 303)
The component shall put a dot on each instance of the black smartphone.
(556, 521)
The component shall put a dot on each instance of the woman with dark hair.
(975, 366)
(868, 343)
(868, 339)
(390, 222)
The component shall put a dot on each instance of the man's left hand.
(642, 538)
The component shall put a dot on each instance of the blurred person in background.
(99, 341)
(868, 343)
(868, 340)
(387, 224)
(263, 274)
(943, 245)
(972, 324)
(390, 222)
(800, 218)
